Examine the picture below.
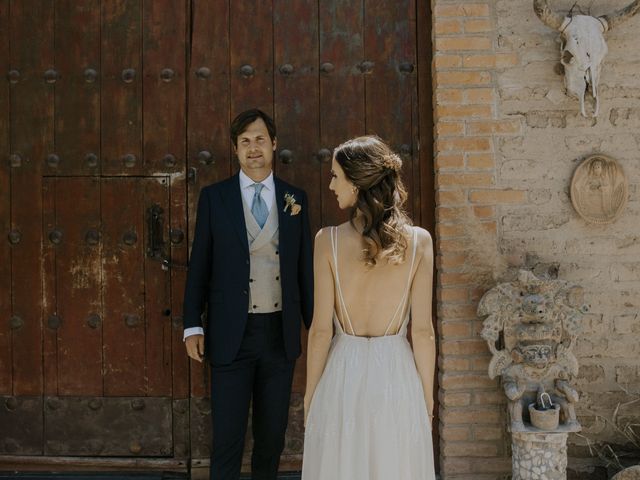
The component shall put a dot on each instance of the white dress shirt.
(268, 194)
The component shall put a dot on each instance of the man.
(251, 264)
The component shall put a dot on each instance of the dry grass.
(610, 455)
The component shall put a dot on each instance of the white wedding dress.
(368, 419)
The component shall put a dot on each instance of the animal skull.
(583, 46)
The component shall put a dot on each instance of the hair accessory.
(392, 162)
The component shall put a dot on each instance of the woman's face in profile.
(344, 190)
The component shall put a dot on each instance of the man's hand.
(195, 347)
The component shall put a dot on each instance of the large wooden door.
(114, 114)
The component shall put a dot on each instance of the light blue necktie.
(259, 207)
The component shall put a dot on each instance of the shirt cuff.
(192, 331)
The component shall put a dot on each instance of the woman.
(369, 396)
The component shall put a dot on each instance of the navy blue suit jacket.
(218, 276)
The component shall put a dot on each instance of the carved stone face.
(537, 356)
(533, 305)
(582, 53)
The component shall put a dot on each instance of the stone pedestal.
(539, 456)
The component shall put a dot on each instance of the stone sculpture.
(599, 190)
(536, 323)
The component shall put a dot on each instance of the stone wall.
(507, 143)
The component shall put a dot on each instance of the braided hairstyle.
(375, 170)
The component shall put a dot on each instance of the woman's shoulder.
(424, 242)
(325, 234)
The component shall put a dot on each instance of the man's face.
(255, 150)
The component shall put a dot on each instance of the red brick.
(450, 128)
(480, 364)
(458, 399)
(484, 212)
(494, 127)
(454, 278)
(479, 95)
(463, 111)
(450, 197)
(477, 25)
(453, 295)
(496, 397)
(470, 449)
(480, 161)
(462, 78)
(468, 144)
(471, 416)
(458, 312)
(497, 196)
(455, 364)
(463, 347)
(463, 43)
(450, 95)
(444, 214)
(454, 329)
(448, 231)
(453, 245)
(465, 10)
(455, 433)
(464, 179)
(485, 432)
(449, 161)
(444, 262)
(447, 61)
(449, 26)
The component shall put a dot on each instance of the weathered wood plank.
(49, 284)
(251, 50)
(297, 114)
(77, 90)
(342, 105)
(389, 44)
(163, 47)
(209, 146)
(31, 139)
(179, 257)
(157, 298)
(297, 104)
(78, 272)
(123, 288)
(425, 108)
(5, 206)
(121, 91)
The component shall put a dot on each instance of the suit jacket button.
(244, 291)
(247, 262)
(277, 252)
(255, 306)
(275, 305)
(251, 280)
(277, 278)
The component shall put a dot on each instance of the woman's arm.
(422, 333)
(321, 330)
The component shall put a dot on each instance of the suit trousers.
(262, 373)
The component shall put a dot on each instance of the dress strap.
(405, 295)
(341, 304)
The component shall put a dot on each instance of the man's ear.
(235, 149)
(275, 144)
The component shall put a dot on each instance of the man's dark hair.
(242, 121)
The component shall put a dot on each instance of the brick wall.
(507, 142)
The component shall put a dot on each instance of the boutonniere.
(290, 202)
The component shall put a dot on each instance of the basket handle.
(542, 395)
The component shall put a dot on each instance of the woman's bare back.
(373, 296)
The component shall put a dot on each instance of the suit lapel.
(283, 218)
(233, 202)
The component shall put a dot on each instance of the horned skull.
(583, 46)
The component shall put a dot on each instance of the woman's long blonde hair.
(375, 170)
